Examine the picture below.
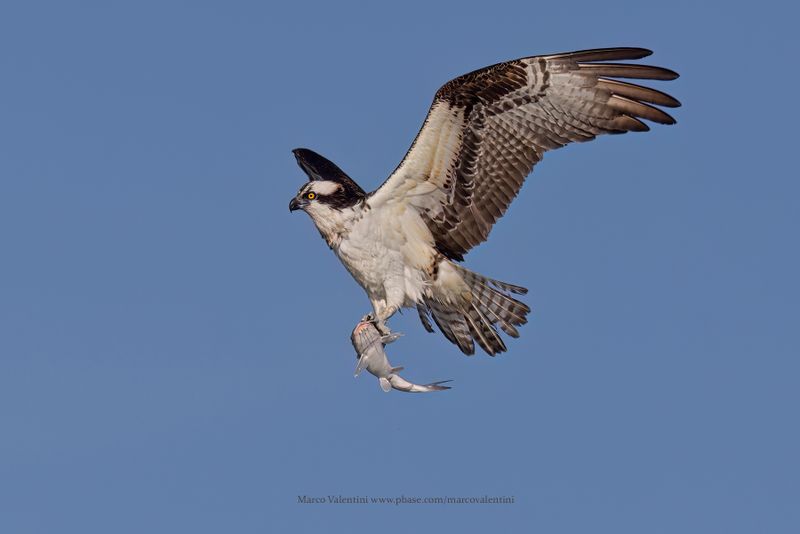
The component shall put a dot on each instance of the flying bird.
(485, 131)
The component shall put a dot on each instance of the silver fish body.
(370, 351)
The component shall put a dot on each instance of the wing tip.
(639, 52)
(672, 75)
(301, 152)
(604, 54)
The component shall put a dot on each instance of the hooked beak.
(294, 205)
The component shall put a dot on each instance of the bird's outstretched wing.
(487, 129)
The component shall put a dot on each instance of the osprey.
(483, 134)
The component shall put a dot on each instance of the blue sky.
(174, 352)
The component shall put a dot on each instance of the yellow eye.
(311, 196)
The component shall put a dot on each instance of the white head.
(328, 197)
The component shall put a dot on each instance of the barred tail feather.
(473, 279)
(423, 312)
(484, 332)
(452, 324)
(489, 306)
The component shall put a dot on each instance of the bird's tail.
(475, 317)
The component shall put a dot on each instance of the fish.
(370, 350)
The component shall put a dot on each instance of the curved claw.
(382, 328)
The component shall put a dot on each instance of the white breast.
(388, 251)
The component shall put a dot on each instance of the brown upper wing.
(487, 129)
